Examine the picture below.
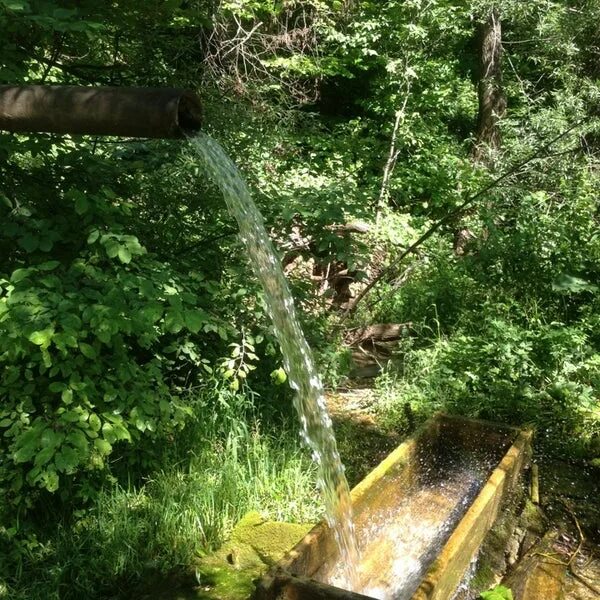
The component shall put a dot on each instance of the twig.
(551, 556)
(53, 59)
(535, 484)
(392, 156)
(391, 269)
(581, 536)
(570, 566)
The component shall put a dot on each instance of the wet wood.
(287, 587)
(535, 484)
(386, 487)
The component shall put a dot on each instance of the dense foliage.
(135, 354)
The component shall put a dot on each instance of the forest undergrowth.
(431, 164)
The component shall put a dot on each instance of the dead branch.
(392, 156)
(377, 332)
(240, 51)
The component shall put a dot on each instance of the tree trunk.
(492, 102)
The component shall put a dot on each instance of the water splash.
(309, 398)
(402, 534)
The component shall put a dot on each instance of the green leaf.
(278, 376)
(70, 416)
(46, 358)
(50, 479)
(49, 265)
(194, 319)
(16, 5)
(174, 321)
(112, 248)
(109, 433)
(28, 444)
(25, 453)
(66, 459)
(94, 421)
(20, 274)
(102, 446)
(44, 456)
(121, 433)
(81, 204)
(51, 438)
(79, 441)
(498, 593)
(152, 312)
(46, 244)
(42, 337)
(104, 336)
(29, 242)
(93, 237)
(87, 350)
(124, 255)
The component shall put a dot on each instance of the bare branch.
(392, 156)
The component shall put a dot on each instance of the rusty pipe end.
(189, 113)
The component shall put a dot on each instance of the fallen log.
(380, 332)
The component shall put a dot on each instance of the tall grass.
(221, 467)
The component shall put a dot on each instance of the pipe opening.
(189, 114)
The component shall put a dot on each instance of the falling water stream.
(309, 400)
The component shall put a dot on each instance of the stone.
(514, 546)
(267, 540)
(541, 573)
(255, 545)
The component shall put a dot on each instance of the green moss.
(484, 577)
(221, 581)
(268, 541)
(254, 546)
(533, 518)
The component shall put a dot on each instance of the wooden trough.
(420, 517)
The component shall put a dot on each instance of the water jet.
(420, 517)
(117, 111)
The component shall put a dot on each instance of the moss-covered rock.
(219, 580)
(267, 540)
(254, 546)
(533, 519)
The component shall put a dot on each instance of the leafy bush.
(208, 477)
(84, 348)
(546, 377)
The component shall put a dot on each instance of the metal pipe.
(128, 111)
